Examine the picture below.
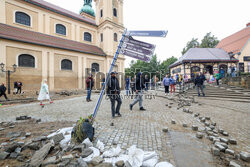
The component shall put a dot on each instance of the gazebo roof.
(204, 55)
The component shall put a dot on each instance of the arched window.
(195, 69)
(22, 18)
(115, 37)
(66, 64)
(25, 60)
(101, 12)
(115, 12)
(95, 67)
(101, 37)
(60, 29)
(87, 37)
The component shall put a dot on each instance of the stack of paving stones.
(220, 139)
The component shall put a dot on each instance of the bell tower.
(109, 18)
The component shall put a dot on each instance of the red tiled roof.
(59, 10)
(21, 35)
(235, 42)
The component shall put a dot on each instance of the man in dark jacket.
(89, 85)
(19, 87)
(139, 86)
(113, 91)
(146, 81)
(2, 91)
(199, 80)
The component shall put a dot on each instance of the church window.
(115, 37)
(115, 12)
(101, 37)
(26, 60)
(87, 37)
(66, 64)
(22, 18)
(60, 29)
(95, 67)
(101, 13)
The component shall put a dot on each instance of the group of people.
(169, 81)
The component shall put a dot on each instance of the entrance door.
(209, 69)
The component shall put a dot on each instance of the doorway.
(209, 69)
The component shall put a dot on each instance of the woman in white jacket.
(44, 93)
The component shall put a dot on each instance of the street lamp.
(8, 71)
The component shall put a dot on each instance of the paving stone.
(233, 164)
(184, 125)
(165, 129)
(40, 155)
(230, 152)
(86, 152)
(245, 156)
(199, 135)
(207, 124)
(212, 127)
(13, 134)
(223, 144)
(65, 157)
(213, 123)
(13, 155)
(96, 160)
(173, 121)
(196, 114)
(220, 147)
(57, 138)
(225, 133)
(120, 163)
(1, 129)
(194, 127)
(215, 151)
(232, 141)
(82, 163)
(203, 119)
(224, 140)
(220, 131)
(4, 155)
(40, 138)
(105, 164)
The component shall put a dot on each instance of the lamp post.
(8, 71)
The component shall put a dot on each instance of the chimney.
(248, 24)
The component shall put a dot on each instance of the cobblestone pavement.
(143, 128)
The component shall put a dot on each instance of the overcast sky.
(184, 19)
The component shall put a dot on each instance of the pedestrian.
(44, 93)
(146, 81)
(15, 87)
(217, 77)
(89, 85)
(166, 83)
(113, 92)
(132, 85)
(139, 86)
(19, 87)
(2, 91)
(199, 80)
(172, 85)
(127, 85)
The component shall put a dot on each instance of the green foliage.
(154, 67)
(194, 43)
(208, 41)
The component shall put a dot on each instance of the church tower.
(109, 18)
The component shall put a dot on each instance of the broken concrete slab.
(40, 155)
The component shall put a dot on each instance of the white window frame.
(58, 33)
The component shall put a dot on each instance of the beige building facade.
(48, 42)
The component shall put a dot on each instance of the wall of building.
(245, 52)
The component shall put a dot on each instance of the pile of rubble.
(67, 93)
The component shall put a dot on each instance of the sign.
(246, 58)
(135, 55)
(148, 33)
(138, 49)
(130, 40)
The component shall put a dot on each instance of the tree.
(194, 43)
(209, 41)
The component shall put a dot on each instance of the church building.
(45, 41)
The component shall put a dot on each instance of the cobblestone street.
(144, 128)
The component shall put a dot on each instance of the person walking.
(147, 81)
(44, 93)
(3, 90)
(132, 85)
(89, 85)
(172, 85)
(19, 87)
(217, 77)
(139, 86)
(15, 87)
(127, 85)
(166, 83)
(113, 92)
(198, 82)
